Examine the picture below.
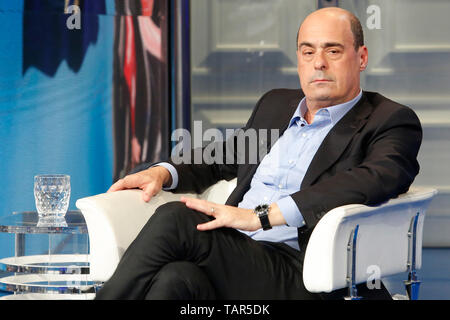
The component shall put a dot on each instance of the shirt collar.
(336, 112)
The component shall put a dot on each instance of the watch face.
(261, 209)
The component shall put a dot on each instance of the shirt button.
(290, 161)
(265, 198)
(304, 135)
(280, 186)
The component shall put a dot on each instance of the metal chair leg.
(412, 287)
(412, 284)
(351, 266)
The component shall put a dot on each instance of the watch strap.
(264, 218)
(262, 211)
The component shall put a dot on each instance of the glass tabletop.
(26, 222)
(50, 263)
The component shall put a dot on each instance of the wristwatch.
(262, 211)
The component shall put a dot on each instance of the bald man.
(339, 145)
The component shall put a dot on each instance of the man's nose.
(320, 61)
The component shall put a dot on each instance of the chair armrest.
(113, 221)
(219, 192)
(382, 241)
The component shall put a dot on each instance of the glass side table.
(48, 262)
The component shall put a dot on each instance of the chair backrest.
(382, 246)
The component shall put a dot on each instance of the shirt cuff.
(290, 212)
(173, 173)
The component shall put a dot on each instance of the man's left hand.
(225, 216)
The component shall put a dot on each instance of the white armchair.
(350, 244)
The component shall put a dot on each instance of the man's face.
(328, 64)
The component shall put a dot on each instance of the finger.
(125, 183)
(184, 199)
(202, 206)
(214, 224)
(116, 186)
(132, 181)
(149, 192)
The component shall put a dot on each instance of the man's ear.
(363, 58)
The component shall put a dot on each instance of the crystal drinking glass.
(52, 194)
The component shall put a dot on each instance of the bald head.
(342, 14)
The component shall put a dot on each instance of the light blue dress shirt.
(282, 170)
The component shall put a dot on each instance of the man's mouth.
(321, 80)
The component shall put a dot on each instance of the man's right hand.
(150, 181)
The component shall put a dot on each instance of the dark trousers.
(171, 259)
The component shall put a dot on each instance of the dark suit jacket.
(368, 157)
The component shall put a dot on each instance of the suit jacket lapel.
(337, 139)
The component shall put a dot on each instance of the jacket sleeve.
(387, 170)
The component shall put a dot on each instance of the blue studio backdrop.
(55, 99)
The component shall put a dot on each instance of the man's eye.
(307, 53)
